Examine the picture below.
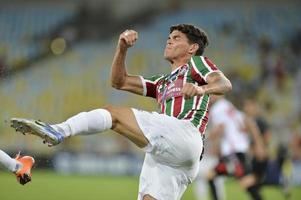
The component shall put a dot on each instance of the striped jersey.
(166, 88)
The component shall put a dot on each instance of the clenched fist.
(190, 90)
(127, 39)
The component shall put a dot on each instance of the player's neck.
(177, 63)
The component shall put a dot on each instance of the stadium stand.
(24, 25)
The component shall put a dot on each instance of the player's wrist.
(122, 46)
(201, 90)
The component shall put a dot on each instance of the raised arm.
(120, 79)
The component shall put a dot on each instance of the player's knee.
(148, 197)
(113, 111)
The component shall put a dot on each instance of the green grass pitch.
(48, 185)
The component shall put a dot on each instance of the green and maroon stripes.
(200, 118)
(179, 102)
(202, 66)
(194, 109)
(168, 107)
(177, 106)
(199, 66)
(150, 85)
(187, 105)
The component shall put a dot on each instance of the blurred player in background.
(253, 110)
(259, 161)
(173, 138)
(235, 131)
(20, 166)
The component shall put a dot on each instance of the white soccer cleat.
(38, 128)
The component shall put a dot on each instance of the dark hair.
(194, 35)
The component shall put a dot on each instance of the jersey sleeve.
(150, 85)
(201, 68)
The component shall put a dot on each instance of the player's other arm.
(253, 129)
(217, 83)
(120, 79)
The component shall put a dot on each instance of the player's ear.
(193, 48)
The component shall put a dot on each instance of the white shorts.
(172, 155)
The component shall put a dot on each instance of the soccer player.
(235, 131)
(20, 166)
(260, 158)
(172, 138)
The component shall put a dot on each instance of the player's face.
(177, 46)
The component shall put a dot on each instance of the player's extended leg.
(119, 119)
(9, 163)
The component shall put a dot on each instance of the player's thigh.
(125, 123)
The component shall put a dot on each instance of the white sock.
(86, 123)
(9, 163)
(201, 188)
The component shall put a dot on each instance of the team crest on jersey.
(171, 85)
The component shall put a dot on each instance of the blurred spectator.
(2, 62)
(297, 98)
(296, 43)
(2, 68)
(274, 173)
(295, 147)
(265, 57)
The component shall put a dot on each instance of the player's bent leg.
(125, 123)
(148, 197)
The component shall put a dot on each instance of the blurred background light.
(58, 46)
